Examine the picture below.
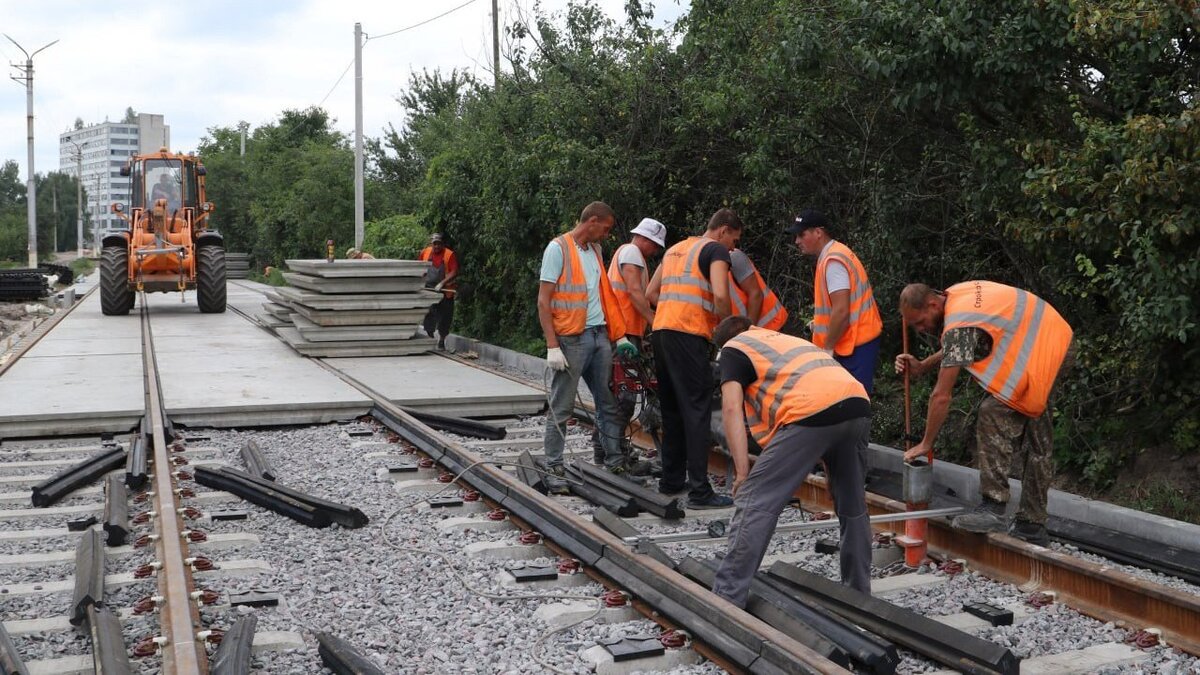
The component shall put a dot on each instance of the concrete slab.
(357, 285)
(343, 269)
(355, 317)
(354, 302)
(315, 333)
(436, 384)
(418, 345)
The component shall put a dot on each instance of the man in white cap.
(629, 275)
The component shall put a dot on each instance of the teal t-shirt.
(552, 266)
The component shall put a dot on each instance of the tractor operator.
(691, 293)
(629, 275)
(1017, 347)
(802, 407)
(580, 319)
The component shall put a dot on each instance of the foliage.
(400, 237)
(82, 266)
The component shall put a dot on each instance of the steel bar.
(136, 464)
(343, 659)
(234, 654)
(256, 463)
(109, 655)
(795, 527)
(89, 575)
(459, 425)
(346, 516)
(961, 651)
(10, 660)
(649, 500)
(183, 653)
(602, 495)
(615, 524)
(756, 646)
(55, 488)
(266, 497)
(116, 511)
(782, 613)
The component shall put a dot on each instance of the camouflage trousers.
(1009, 443)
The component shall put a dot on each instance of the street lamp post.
(78, 196)
(31, 190)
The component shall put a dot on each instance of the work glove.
(439, 286)
(555, 359)
(626, 348)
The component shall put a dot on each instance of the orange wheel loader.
(167, 245)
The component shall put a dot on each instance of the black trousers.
(440, 316)
(685, 392)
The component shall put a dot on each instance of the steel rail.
(183, 652)
(1097, 590)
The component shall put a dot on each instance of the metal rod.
(796, 527)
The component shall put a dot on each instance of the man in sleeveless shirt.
(1016, 346)
(802, 407)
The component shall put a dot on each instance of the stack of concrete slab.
(352, 307)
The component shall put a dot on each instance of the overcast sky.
(213, 63)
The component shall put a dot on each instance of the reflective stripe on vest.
(864, 323)
(772, 314)
(635, 324)
(685, 300)
(1029, 341)
(569, 301)
(795, 380)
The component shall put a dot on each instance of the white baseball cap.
(652, 230)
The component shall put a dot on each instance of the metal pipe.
(793, 527)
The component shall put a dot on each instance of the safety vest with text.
(1029, 341)
(795, 380)
(685, 299)
(635, 323)
(772, 315)
(864, 322)
(569, 300)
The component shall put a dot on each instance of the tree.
(130, 116)
(78, 123)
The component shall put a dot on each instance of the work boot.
(555, 480)
(623, 471)
(987, 517)
(637, 467)
(1034, 533)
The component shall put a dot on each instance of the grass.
(82, 266)
(275, 278)
(1166, 500)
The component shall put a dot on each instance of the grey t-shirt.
(740, 265)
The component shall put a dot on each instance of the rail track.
(467, 566)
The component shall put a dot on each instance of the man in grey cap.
(629, 275)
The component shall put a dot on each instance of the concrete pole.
(242, 126)
(358, 138)
(495, 45)
(96, 219)
(78, 201)
(30, 189)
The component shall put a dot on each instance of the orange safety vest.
(635, 323)
(1029, 341)
(771, 316)
(447, 257)
(865, 324)
(569, 301)
(685, 300)
(796, 380)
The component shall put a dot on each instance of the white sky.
(213, 63)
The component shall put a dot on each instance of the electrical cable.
(422, 23)
(462, 580)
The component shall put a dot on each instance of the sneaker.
(987, 517)
(713, 501)
(555, 480)
(1034, 533)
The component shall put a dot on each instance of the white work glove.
(439, 286)
(555, 359)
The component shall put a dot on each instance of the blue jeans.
(589, 356)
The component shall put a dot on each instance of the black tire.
(210, 279)
(116, 296)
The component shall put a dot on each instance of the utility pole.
(31, 189)
(96, 218)
(495, 45)
(358, 138)
(78, 196)
(54, 209)
(242, 126)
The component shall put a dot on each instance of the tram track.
(570, 535)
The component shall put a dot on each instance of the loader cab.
(170, 179)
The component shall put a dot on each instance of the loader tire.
(210, 279)
(116, 297)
